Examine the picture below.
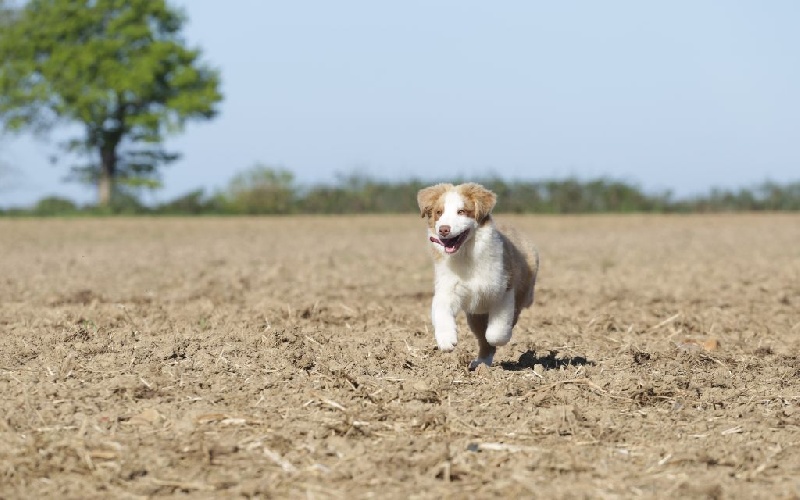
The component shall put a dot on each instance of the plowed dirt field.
(294, 358)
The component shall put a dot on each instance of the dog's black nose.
(444, 230)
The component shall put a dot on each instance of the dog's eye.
(462, 212)
(438, 213)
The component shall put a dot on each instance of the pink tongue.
(448, 249)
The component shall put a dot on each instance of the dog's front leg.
(443, 315)
(501, 320)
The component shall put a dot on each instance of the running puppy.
(487, 274)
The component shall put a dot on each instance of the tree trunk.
(105, 182)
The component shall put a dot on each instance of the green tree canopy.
(117, 68)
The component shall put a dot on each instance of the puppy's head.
(454, 212)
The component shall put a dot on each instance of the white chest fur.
(475, 278)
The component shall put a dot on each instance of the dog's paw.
(498, 336)
(446, 341)
(475, 363)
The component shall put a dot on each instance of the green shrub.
(54, 205)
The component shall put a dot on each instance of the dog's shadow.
(529, 359)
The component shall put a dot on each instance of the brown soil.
(293, 357)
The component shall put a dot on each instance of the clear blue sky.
(683, 95)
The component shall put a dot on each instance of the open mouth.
(451, 245)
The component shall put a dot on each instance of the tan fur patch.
(431, 202)
(479, 200)
(521, 264)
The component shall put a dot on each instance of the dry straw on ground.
(293, 357)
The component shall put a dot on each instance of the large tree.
(117, 68)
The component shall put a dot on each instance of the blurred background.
(200, 106)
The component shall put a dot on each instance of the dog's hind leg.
(478, 323)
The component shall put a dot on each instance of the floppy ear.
(427, 197)
(483, 199)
